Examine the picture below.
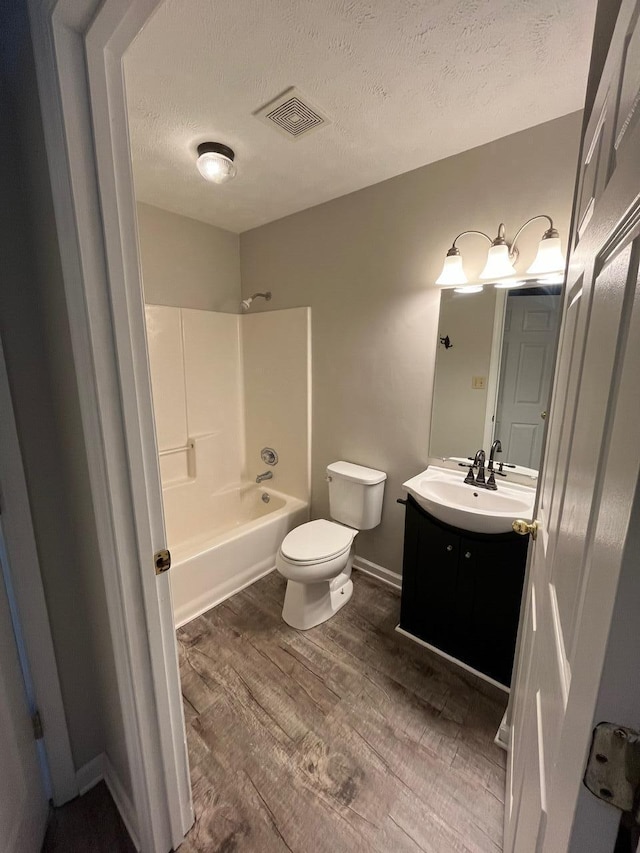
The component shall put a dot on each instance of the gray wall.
(36, 341)
(186, 263)
(366, 263)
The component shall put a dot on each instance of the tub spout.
(266, 476)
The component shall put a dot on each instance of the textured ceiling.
(404, 83)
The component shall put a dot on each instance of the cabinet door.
(490, 587)
(430, 582)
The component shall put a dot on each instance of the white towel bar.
(188, 446)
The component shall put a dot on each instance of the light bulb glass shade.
(498, 263)
(452, 272)
(216, 167)
(549, 257)
(511, 284)
(469, 288)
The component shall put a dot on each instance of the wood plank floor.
(343, 738)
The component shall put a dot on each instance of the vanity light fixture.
(501, 259)
(215, 162)
(468, 288)
(453, 274)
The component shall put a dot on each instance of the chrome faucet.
(266, 476)
(496, 447)
(478, 463)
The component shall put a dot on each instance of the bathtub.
(222, 544)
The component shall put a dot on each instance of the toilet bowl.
(316, 560)
(316, 557)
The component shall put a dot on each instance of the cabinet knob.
(468, 554)
(449, 547)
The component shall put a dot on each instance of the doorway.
(126, 309)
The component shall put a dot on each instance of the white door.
(528, 349)
(23, 804)
(579, 652)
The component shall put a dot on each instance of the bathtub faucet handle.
(266, 476)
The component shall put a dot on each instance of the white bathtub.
(243, 534)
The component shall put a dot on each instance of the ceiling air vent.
(292, 114)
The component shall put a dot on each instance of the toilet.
(316, 557)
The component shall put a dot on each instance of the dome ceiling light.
(501, 259)
(215, 162)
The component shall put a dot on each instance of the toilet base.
(309, 604)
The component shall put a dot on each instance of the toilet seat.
(317, 542)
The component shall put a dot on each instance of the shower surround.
(224, 386)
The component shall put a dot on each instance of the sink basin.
(444, 494)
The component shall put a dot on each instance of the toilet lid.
(316, 540)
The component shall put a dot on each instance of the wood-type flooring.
(343, 738)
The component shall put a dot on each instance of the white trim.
(379, 572)
(122, 801)
(110, 34)
(503, 734)
(494, 367)
(102, 282)
(26, 584)
(99, 769)
(457, 662)
(90, 774)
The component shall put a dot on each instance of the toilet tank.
(355, 494)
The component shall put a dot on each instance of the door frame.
(495, 363)
(78, 46)
(26, 594)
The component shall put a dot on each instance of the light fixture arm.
(550, 232)
(454, 250)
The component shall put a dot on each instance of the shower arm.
(246, 303)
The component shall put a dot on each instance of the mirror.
(494, 372)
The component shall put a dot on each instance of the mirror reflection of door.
(494, 379)
(526, 372)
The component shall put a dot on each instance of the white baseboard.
(502, 735)
(122, 801)
(99, 769)
(90, 774)
(385, 575)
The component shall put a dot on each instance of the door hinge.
(162, 560)
(36, 722)
(613, 767)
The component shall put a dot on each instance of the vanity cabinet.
(461, 591)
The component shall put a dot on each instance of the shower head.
(246, 303)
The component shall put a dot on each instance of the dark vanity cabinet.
(461, 591)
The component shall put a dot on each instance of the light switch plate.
(479, 383)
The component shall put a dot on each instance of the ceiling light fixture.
(501, 259)
(215, 162)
